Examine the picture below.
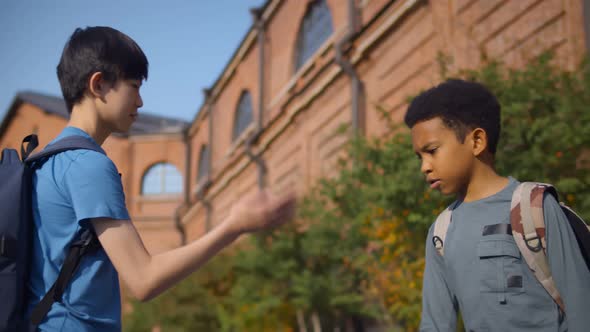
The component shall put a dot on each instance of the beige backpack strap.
(441, 225)
(528, 230)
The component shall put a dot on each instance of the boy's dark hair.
(98, 49)
(462, 106)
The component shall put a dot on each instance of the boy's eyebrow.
(427, 146)
(424, 147)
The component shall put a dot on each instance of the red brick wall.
(153, 217)
(395, 58)
(27, 120)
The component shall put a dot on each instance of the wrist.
(229, 228)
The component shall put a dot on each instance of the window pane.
(162, 178)
(203, 163)
(172, 181)
(315, 29)
(243, 114)
(173, 184)
(152, 181)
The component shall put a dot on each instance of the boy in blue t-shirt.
(455, 128)
(100, 73)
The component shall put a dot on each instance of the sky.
(187, 43)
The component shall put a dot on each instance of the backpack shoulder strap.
(87, 240)
(31, 142)
(441, 226)
(528, 230)
(74, 142)
(87, 243)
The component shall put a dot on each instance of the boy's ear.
(97, 85)
(479, 140)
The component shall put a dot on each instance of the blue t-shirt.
(69, 189)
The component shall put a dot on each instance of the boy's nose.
(139, 101)
(426, 167)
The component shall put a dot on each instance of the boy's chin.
(122, 129)
(446, 191)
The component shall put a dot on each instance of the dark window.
(203, 169)
(313, 32)
(162, 178)
(243, 114)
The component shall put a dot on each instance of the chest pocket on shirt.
(500, 266)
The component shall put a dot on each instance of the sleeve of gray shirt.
(439, 307)
(567, 265)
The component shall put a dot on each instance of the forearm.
(145, 275)
(168, 268)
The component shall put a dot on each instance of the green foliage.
(357, 249)
(545, 126)
(195, 304)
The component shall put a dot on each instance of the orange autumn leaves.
(395, 267)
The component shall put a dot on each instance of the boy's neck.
(484, 182)
(85, 117)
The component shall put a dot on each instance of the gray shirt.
(486, 279)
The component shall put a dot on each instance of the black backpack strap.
(32, 142)
(87, 243)
(74, 142)
(581, 231)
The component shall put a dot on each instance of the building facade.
(150, 159)
(308, 67)
(304, 69)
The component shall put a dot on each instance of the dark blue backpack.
(16, 226)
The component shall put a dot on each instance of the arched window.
(243, 114)
(203, 169)
(161, 178)
(315, 28)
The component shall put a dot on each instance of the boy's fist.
(260, 210)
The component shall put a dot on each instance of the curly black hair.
(462, 106)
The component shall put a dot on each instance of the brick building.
(152, 149)
(302, 70)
